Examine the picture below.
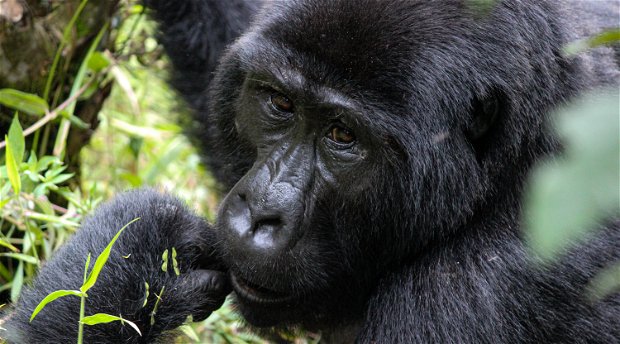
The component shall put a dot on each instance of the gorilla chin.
(259, 306)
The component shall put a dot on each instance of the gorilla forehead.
(350, 45)
(352, 41)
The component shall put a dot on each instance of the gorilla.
(372, 154)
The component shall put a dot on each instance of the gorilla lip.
(255, 293)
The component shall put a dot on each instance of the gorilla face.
(352, 164)
(290, 226)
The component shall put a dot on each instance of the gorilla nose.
(257, 225)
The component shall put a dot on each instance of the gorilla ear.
(484, 113)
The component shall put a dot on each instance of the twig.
(52, 115)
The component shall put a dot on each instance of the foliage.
(89, 281)
(570, 196)
(138, 143)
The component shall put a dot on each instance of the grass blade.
(12, 168)
(8, 245)
(18, 282)
(102, 259)
(103, 318)
(20, 256)
(51, 297)
(63, 130)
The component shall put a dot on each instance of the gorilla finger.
(209, 290)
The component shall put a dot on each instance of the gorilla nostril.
(270, 223)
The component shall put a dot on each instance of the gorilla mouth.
(257, 294)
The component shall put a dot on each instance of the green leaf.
(102, 318)
(164, 257)
(61, 178)
(16, 140)
(190, 333)
(102, 259)
(175, 263)
(98, 61)
(86, 267)
(8, 245)
(136, 9)
(20, 256)
(45, 162)
(12, 168)
(146, 294)
(569, 196)
(74, 120)
(18, 282)
(605, 38)
(51, 297)
(24, 102)
(605, 283)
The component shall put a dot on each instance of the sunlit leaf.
(24, 102)
(61, 178)
(190, 333)
(20, 256)
(16, 140)
(4, 202)
(18, 282)
(12, 167)
(102, 318)
(8, 245)
(102, 259)
(175, 263)
(146, 294)
(98, 61)
(164, 257)
(51, 297)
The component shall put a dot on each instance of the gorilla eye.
(339, 134)
(281, 103)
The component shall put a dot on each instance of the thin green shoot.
(83, 302)
(102, 259)
(154, 312)
(88, 282)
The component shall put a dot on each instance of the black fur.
(136, 258)
(416, 237)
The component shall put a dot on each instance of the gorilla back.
(373, 155)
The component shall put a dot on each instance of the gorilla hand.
(134, 277)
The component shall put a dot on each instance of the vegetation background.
(85, 113)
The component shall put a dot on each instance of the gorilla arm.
(121, 290)
(195, 34)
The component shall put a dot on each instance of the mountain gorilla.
(373, 155)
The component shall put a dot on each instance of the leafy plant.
(89, 281)
(570, 196)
